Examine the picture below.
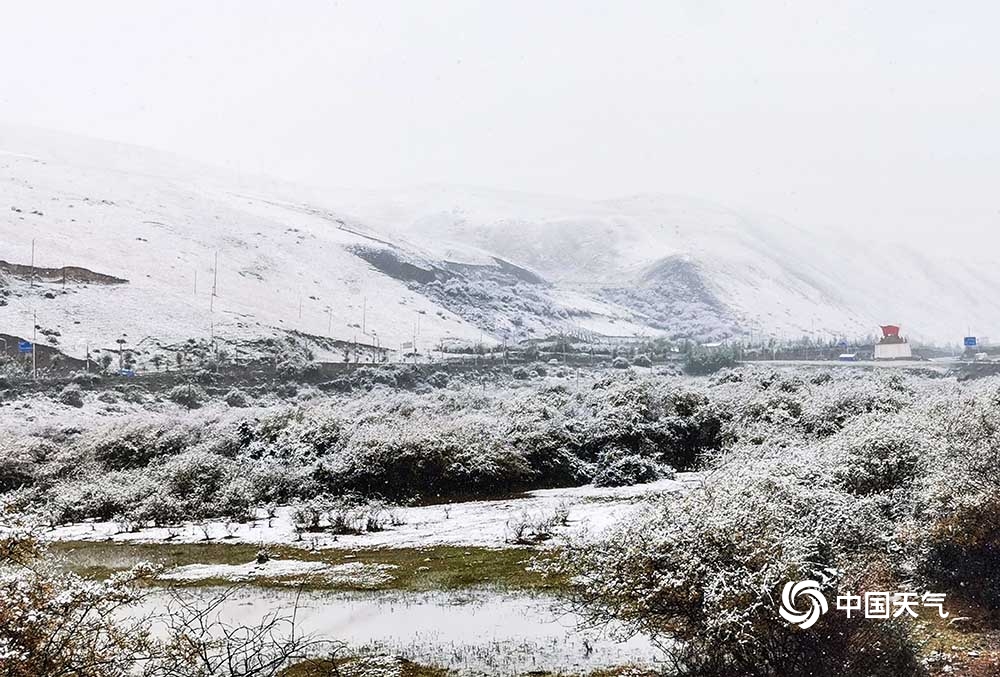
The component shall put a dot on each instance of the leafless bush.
(527, 529)
(199, 642)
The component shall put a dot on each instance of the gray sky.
(851, 114)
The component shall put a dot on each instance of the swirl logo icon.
(810, 592)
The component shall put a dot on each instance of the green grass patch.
(417, 569)
(358, 667)
(351, 667)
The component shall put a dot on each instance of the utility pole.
(364, 313)
(121, 353)
(34, 326)
(32, 262)
(215, 275)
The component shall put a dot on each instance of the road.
(941, 364)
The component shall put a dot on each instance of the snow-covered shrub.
(540, 426)
(424, 456)
(102, 497)
(272, 481)
(187, 395)
(134, 442)
(439, 379)
(11, 371)
(131, 393)
(85, 379)
(236, 499)
(519, 373)
(17, 466)
(293, 359)
(842, 400)
(379, 515)
(650, 418)
(236, 398)
(961, 549)
(157, 508)
(642, 361)
(56, 623)
(196, 480)
(877, 457)
(287, 390)
(528, 529)
(621, 363)
(704, 571)
(847, 480)
(723, 376)
(127, 445)
(345, 517)
(704, 361)
(259, 436)
(342, 515)
(375, 375)
(630, 469)
(45, 454)
(337, 385)
(308, 515)
(961, 544)
(71, 396)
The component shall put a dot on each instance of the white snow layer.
(488, 524)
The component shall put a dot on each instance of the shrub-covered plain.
(178, 462)
(863, 480)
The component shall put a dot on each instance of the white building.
(892, 346)
(893, 351)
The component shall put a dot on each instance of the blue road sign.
(24, 346)
(970, 342)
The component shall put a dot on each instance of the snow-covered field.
(473, 523)
(358, 574)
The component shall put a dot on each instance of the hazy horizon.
(864, 118)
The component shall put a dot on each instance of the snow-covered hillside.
(431, 265)
(715, 268)
(158, 223)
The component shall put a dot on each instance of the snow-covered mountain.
(690, 267)
(126, 242)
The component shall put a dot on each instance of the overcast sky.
(849, 114)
